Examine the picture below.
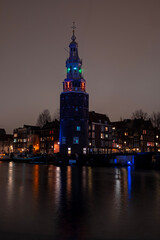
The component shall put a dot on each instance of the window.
(69, 150)
(15, 140)
(102, 128)
(78, 128)
(144, 131)
(102, 143)
(102, 135)
(75, 140)
(93, 127)
(84, 150)
(106, 129)
(63, 140)
(93, 134)
(93, 143)
(106, 135)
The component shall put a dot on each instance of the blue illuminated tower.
(74, 106)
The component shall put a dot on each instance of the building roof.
(2, 131)
(98, 117)
(53, 124)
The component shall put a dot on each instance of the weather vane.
(73, 27)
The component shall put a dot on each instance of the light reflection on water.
(46, 202)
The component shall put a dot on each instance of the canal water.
(49, 202)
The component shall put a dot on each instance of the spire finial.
(73, 36)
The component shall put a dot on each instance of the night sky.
(119, 43)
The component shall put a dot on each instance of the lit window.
(93, 134)
(106, 129)
(75, 140)
(15, 135)
(89, 127)
(144, 131)
(15, 140)
(106, 135)
(63, 140)
(80, 70)
(102, 135)
(126, 133)
(84, 150)
(78, 128)
(69, 150)
(93, 127)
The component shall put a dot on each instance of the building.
(6, 142)
(26, 139)
(49, 137)
(74, 106)
(99, 134)
(136, 135)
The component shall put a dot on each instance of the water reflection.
(10, 182)
(79, 203)
(36, 182)
(129, 182)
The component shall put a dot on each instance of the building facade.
(74, 106)
(49, 137)
(137, 135)
(99, 134)
(26, 139)
(6, 142)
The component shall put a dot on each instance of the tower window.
(63, 140)
(75, 140)
(78, 128)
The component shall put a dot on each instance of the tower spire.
(73, 30)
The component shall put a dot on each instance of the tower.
(74, 105)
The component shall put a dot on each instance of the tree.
(43, 118)
(139, 114)
(155, 118)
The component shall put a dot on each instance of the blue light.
(129, 182)
(115, 161)
(129, 162)
(75, 68)
(78, 128)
